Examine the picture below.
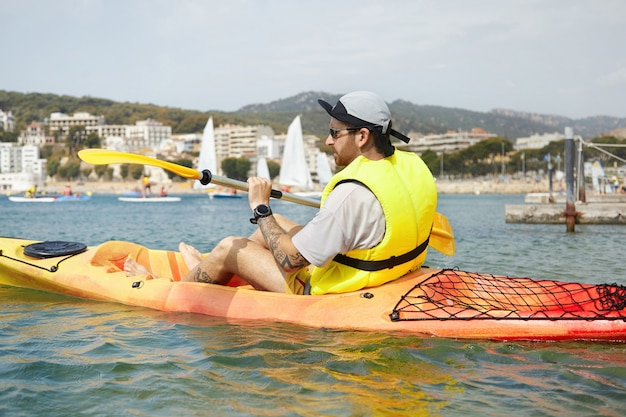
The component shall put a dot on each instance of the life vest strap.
(381, 264)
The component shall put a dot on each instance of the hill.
(408, 117)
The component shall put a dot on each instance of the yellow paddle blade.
(441, 237)
(105, 157)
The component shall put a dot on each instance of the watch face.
(263, 209)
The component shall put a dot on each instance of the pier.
(609, 209)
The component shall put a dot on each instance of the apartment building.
(20, 167)
(537, 141)
(234, 141)
(448, 142)
(62, 123)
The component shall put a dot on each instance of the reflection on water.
(64, 356)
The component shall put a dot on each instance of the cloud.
(614, 78)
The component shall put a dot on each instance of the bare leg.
(191, 255)
(243, 257)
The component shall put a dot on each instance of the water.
(64, 356)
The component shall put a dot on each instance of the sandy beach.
(469, 186)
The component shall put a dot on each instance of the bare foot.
(191, 255)
(132, 268)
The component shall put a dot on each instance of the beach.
(466, 186)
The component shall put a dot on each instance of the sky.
(559, 57)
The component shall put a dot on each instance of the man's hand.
(259, 190)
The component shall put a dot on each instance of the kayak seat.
(164, 264)
(53, 248)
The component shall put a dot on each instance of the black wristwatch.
(260, 211)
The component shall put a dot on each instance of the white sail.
(294, 170)
(324, 172)
(207, 159)
(262, 169)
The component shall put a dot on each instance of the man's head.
(364, 109)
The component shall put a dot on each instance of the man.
(373, 225)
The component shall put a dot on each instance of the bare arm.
(277, 239)
(279, 243)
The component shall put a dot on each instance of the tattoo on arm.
(273, 234)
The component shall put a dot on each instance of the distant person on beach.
(146, 186)
(67, 191)
(373, 225)
(31, 192)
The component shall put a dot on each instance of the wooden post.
(570, 209)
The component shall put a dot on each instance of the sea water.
(63, 356)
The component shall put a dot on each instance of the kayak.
(52, 199)
(149, 199)
(428, 302)
(18, 199)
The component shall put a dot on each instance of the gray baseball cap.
(369, 110)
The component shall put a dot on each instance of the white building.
(448, 142)
(234, 141)
(7, 121)
(61, 122)
(20, 167)
(537, 141)
(35, 134)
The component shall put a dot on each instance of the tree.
(103, 171)
(274, 168)
(74, 138)
(136, 171)
(236, 168)
(431, 160)
(124, 171)
(70, 170)
(86, 172)
(92, 140)
(52, 166)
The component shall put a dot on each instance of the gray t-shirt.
(351, 218)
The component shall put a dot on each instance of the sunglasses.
(334, 133)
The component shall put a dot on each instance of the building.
(129, 138)
(234, 141)
(60, 123)
(20, 167)
(35, 134)
(448, 142)
(537, 141)
(7, 121)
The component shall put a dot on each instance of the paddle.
(441, 237)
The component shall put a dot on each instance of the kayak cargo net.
(457, 295)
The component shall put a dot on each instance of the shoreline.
(469, 186)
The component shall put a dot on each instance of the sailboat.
(324, 173)
(262, 170)
(207, 159)
(294, 169)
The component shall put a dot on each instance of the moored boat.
(49, 199)
(427, 302)
(155, 199)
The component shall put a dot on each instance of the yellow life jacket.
(406, 190)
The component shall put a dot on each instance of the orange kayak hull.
(427, 302)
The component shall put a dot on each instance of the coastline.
(468, 186)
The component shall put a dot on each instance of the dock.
(601, 209)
